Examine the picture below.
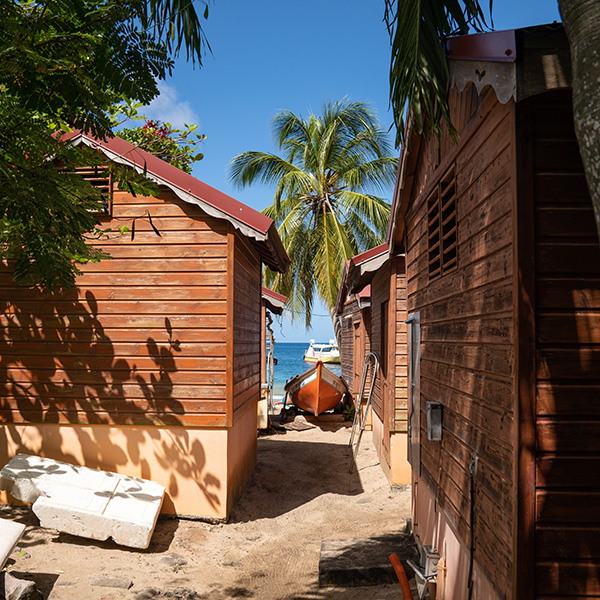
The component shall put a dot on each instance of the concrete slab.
(10, 534)
(364, 561)
(86, 502)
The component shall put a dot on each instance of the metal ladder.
(360, 421)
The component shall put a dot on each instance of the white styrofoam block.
(87, 502)
(10, 534)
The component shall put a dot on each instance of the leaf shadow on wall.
(60, 366)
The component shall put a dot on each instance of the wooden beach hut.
(151, 366)
(378, 326)
(503, 290)
(354, 313)
(273, 303)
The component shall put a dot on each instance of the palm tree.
(321, 206)
(419, 73)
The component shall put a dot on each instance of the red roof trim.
(181, 180)
(495, 46)
(369, 254)
(277, 296)
(365, 292)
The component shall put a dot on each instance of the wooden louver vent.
(442, 226)
(100, 178)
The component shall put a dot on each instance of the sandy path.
(300, 495)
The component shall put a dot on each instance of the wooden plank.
(566, 507)
(195, 240)
(564, 543)
(483, 358)
(560, 155)
(495, 268)
(568, 400)
(90, 295)
(557, 258)
(497, 454)
(567, 436)
(111, 378)
(567, 293)
(139, 210)
(483, 212)
(474, 157)
(568, 472)
(485, 417)
(145, 336)
(166, 226)
(115, 364)
(122, 392)
(153, 265)
(496, 237)
(568, 189)
(568, 578)
(568, 328)
(54, 323)
(97, 349)
(496, 330)
(229, 346)
(134, 418)
(491, 299)
(489, 389)
(143, 279)
(100, 308)
(568, 363)
(565, 222)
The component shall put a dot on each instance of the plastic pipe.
(402, 578)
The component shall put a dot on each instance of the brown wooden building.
(503, 290)
(379, 328)
(151, 365)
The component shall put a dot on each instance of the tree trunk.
(581, 19)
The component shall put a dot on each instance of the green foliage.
(175, 146)
(322, 207)
(67, 64)
(419, 74)
(348, 412)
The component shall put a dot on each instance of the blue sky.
(272, 55)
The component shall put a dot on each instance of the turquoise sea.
(290, 362)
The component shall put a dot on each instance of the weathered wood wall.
(399, 416)
(245, 317)
(567, 360)
(143, 337)
(350, 312)
(466, 315)
(382, 343)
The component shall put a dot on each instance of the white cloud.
(167, 107)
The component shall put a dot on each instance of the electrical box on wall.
(434, 421)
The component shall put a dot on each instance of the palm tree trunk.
(582, 25)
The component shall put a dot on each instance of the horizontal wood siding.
(246, 326)
(380, 294)
(400, 356)
(466, 316)
(350, 314)
(567, 329)
(140, 340)
(362, 347)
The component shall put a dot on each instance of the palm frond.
(418, 70)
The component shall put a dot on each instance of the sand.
(301, 494)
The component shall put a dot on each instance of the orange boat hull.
(317, 390)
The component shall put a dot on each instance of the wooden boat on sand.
(316, 390)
